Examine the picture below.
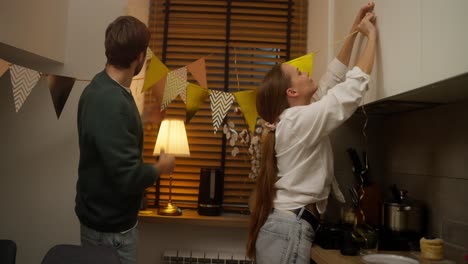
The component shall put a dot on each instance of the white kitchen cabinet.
(38, 27)
(397, 68)
(420, 42)
(444, 38)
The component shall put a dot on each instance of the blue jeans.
(124, 243)
(284, 239)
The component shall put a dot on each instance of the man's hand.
(166, 163)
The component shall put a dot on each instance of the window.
(241, 41)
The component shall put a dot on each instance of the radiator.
(200, 257)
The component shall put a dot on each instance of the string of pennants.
(173, 83)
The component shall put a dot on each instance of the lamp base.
(169, 209)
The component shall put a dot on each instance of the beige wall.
(39, 157)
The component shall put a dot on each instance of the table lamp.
(172, 139)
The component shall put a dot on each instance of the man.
(111, 175)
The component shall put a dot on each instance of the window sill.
(193, 218)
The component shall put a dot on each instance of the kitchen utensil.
(357, 167)
(354, 197)
(365, 169)
(360, 169)
(350, 246)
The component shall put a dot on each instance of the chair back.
(75, 254)
(7, 251)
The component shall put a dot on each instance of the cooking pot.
(403, 214)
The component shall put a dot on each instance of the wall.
(426, 153)
(39, 156)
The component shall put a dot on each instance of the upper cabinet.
(444, 39)
(35, 27)
(420, 42)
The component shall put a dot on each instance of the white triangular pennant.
(220, 104)
(182, 74)
(174, 86)
(23, 81)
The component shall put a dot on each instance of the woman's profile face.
(300, 81)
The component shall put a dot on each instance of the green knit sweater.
(111, 175)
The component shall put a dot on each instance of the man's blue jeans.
(125, 243)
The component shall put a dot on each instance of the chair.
(7, 251)
(75, 254)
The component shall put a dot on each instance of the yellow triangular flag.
(303, 63)
(155, 72)
(4, 66)
(196, 95)
(247, 103)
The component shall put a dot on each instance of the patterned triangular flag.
(196, 95)
(198, 70)
(304, 63)
(220, 104)
(155, 72)
(60, 88)
(182, 74)
(174, 86)
(247, 103)
(135, 86)
(23, 81)
(4, 65)
(149, 54)
(153, 99)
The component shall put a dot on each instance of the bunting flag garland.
(198, 71)
(4, 65)
(174, 86)
(149, 54)
(220, 104)
(160, 85)
(196, 95)
(182, 87)
(152, 111)
(135, 87)
(155, 72)
(304, 63)
(247, 103)
(60, 88)
(23, 81)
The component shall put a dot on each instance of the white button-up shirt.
(303, 148)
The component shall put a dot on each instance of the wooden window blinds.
(240, 41)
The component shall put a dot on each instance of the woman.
(296, 173)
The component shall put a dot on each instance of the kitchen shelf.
(192, 217)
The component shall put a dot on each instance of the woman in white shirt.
(296, 168)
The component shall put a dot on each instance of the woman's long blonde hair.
(271, 102)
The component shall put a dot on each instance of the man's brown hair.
(126, 38)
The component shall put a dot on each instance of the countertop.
(333, 256)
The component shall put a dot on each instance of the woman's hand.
(369, 7)
(367, 25)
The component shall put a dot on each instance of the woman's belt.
(305, 214)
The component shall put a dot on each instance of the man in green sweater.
(111, 175)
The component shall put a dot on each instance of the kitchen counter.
(333, 256)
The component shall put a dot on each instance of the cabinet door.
(444, 39)
(398, 59)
